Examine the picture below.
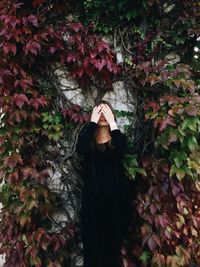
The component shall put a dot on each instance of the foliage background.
(157, 41)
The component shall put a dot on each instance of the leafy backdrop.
(156, 40)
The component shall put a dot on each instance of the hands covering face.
(105, 110)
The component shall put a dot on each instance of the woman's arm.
(86, 135)
(119, 141)
(85, 138)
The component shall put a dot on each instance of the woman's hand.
(96, 113)
(108, 114)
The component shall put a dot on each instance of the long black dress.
(105, 201)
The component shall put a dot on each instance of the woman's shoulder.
(88, 126)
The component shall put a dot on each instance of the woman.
(105, 202)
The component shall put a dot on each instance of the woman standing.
(105, 202)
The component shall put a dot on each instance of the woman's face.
(102, 120)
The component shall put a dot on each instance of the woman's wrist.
(113, 126)
(94, 120)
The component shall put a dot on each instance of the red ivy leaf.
(30, 172)
(77, 26)
(93, 54)
(32, 47)
(101, 46)
(109, 65)
(20, 99)
(33, 252)
(151, 244)
(3, 74)
(13, 177)
(39, 101)
(162, 220)
(24, 83)
(155, 106)
(52, 49)
(99, 64)
(33, 20)
(13, 160)
(195, 221)
(13, 21)
(76, 108)
(39, 234)
(71, 57)
(164, 123)
(177, 188)
(20, 115)
(79, 72)
(7, 47)
(76, 119)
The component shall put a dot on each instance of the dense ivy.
(157, 40)
(156, 47)
(28, 124)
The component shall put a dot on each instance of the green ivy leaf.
(179, 157)
(192, 142)
(131, 166)
(191, 123)
(179, 172)
(57, 127)
(45, 126)
(55, 136)
(57, 119)
(145, 256)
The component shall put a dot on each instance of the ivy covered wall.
(150, 47)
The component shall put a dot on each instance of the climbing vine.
(28, 125)
(39, 124)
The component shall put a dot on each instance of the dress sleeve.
(119, 141)
(85, 137)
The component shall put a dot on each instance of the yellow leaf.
(194, 165)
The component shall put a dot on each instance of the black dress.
(105, 202)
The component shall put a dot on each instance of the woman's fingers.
(97, 109)
(107, 109)
(96, 113)
(108, 114)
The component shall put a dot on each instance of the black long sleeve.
(85, 137)
(119, 141)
